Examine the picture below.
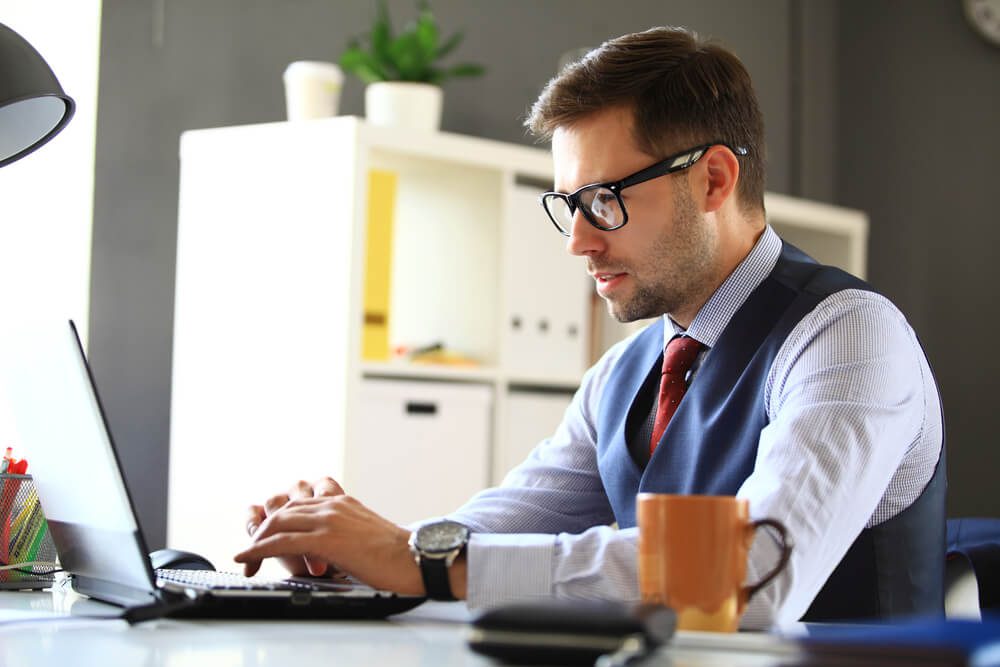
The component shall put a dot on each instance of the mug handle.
(786, 552)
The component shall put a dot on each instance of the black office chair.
(973, 548)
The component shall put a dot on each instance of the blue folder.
(916, 642)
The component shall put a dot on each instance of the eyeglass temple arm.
(670, 164)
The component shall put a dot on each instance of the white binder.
(546, 330)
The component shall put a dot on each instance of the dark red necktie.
(677, 361)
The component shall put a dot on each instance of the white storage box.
(425, 448)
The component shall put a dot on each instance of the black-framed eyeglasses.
(601, 203)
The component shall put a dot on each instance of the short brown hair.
(683, 90)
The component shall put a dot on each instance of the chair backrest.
(972, 567)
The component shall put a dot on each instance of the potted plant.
(403, 71)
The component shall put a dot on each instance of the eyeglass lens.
(600, 206)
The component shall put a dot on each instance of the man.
(804, 391)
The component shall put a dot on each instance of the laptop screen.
(62, 432)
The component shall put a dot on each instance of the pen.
(8, 491)
(13, 466)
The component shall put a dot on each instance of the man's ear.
(721, 174)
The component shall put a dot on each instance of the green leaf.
(408, 57)
(435, 75)
(381, 35)
(352, 58)
(371, 74)
(427, 35)
(362, 65)
(464, 69)
(412, 55)
(450, 45)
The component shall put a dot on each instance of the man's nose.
(584, 239)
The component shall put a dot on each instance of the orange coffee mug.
(693, 557)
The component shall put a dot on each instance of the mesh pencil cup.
(27, 553)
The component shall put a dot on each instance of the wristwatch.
(435, 546)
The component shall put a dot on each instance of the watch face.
(984, 15)
(441, 537)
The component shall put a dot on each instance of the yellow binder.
(378, 264)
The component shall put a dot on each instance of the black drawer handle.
(419, 408)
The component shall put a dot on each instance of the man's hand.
(297, 565)
(337, 531)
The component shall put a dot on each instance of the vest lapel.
(614, 462)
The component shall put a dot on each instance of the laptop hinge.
(139, 605)
(170, 603)
(113, 592)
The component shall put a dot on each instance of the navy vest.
(710, 445)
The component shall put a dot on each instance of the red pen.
(13, 466)
(8, 490)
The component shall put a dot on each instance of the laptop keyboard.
(232, 581)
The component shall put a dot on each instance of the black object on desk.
(175, 559)
(569, 632)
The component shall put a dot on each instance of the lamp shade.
(33, 106)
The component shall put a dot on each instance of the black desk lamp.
(33, 106)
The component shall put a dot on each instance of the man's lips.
(607, 281)
(605, 276)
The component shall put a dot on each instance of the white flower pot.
(404, 104)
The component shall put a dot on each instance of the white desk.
(431, 635)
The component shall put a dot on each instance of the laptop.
(64, 434)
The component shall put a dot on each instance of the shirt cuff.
(508, 567)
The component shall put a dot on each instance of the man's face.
(664, 259)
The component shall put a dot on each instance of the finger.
(295, 519)
(327, 486)
(250, 567)
(317, 567)
(255, 516)
(267, 529)
(274, 503)
(312, 504)
(272, 546)
(302, 489)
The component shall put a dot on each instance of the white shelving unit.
(269, 385)
(832, 234)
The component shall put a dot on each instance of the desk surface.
(433, 634)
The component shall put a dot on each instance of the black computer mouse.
(175, 559)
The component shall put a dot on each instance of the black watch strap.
(435, 575)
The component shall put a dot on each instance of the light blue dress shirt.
(854, 434)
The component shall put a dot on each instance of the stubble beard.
(672, 275)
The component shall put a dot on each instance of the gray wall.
(172, 65)
(918, 140)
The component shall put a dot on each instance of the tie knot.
(680, 355)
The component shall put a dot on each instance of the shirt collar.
(713, 317)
